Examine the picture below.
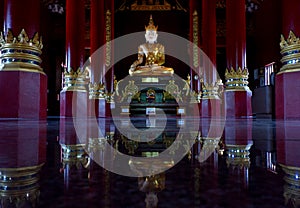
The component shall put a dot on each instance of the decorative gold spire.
(151, 25)
(236, 79)
(20, 53)
(290, 53)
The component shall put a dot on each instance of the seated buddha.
(153, 53)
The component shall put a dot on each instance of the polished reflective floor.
(150, 162)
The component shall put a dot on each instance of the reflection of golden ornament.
(292, 185)
(236, 79)
(74, 155)
(238, 155)
(21, 53)
(19, 185)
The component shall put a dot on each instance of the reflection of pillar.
(21, 73)
(238, 141)
(74, 157)
(23, 147)
(237, 94)
(286, 86)
(288, 154)
(74, 77)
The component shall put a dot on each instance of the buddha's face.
(151, 36)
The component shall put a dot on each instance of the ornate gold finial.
(151, 25)
(75, 80)
(21, 52)
(290, 53)
(237, 79)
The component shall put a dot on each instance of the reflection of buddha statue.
(154, 53)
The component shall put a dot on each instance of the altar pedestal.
(141, 95)
(23, 94)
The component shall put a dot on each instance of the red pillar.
(18, 16)
(286, 88)
(290, 17)
(210, 106)
(236, 34)
(1, 14)
(22, 76)
(209, 33)
(75, 31)
(97, 40)
(237, 98)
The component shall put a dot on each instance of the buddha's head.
(151, 32)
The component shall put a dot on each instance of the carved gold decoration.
(19, 185)
(195, 39)
(290, 53)
(131, 145)
(131, 92)
(291, 189)
(108, 38)
(236, 79)
(172, 91)
(96, 91)
(20, 53)
(221, 4)
(238, 155)
(151, 6)
(74, 156)
(187, 85)
(75, 80)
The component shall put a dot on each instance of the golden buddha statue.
(154, 53)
